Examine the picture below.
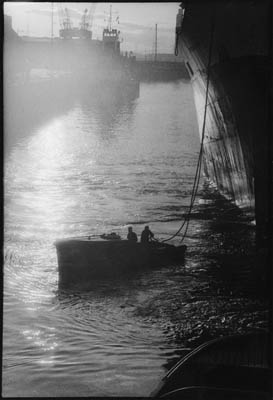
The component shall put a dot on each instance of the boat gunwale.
(208, 344)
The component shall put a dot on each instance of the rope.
(176, 43)
(199, 163)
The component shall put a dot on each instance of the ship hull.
(226, 39)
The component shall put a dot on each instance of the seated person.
(131, 235)
(146, 235)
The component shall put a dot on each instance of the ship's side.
(236, 135)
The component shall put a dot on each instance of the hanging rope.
(176, 43)
(199, 163)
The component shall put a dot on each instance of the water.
(94, 167)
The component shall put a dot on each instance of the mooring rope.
(176, 43)
(199, 163)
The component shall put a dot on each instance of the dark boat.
(84, 259)
(232, 367)
(226, 48)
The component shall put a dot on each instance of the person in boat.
(132, 236)
(147, 235)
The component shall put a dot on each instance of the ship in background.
(97, 62)
(44, 77)
(232, 40)
(73, 52)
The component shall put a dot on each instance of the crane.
(66, 21)
(84, 31)
(67, 29)
(87, 21)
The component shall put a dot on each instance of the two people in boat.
(146, 235)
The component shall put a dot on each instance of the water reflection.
(89, 171)
(33, 104)
(40, 339)
(36, 102)
(84, 171)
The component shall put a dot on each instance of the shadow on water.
(229, 293)
(118, 286)
(230, 247)
(220, 290)
(223, 288)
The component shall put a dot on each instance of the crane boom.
(87, 17)
(67, 22)
(91, 13)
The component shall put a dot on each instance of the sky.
(136, 21)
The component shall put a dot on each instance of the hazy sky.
(136, 21)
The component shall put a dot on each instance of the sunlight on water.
(96, 167)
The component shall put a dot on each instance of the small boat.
(85, 258)
(232, 367)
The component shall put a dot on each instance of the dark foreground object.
(235, 367)
(81, 259)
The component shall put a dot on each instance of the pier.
(160, 70)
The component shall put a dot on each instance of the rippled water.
(94, 168)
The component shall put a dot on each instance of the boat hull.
(232, 367)
(82, 260)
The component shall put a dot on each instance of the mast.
(51, 64)
(155, 42)
(110, 18)
(28, 23)
(51, 21)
